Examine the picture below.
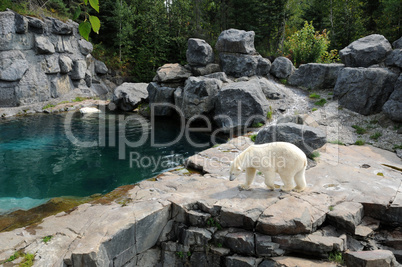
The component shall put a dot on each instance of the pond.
(46, 156)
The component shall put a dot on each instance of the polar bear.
(283, 158)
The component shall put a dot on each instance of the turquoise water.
(38, 161)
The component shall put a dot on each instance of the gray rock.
(100, 67)
(270, 89)
(33, 87)
(7, 22)
(50, 64)
(282, 68)
(316, 245)
(236, 41)
(264, 247)
(35, 25)
(383, 258)
(290, 216)
(397, 44)
(199, 52)
(295, 262)
(307, 138)
(393, 107)
(195, 236)
(161, 99)
(218, 75)
(61, 28)
(21, 24)
(239, 65)
(85, 47)
(66, 64)
(63, 44)
(240, 105)
(241, 242)
(199, 96)
(60, 85)
(79, 69)
(366, 51)
(239, 261)
(198, 218)
(394, 58)
(316, 76)
(88, 78)
(13, 65)
(293, 118)
(346, 216)
(148, 258)
(43, 45)
(128, 96)
(208, 69)
(263, 66)
(364, 90)
(171, 73)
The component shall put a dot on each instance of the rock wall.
(44, 59)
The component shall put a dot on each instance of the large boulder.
(282, 68)
(79, 69)
(7, 22)
(316, 76)
(240, 105)
(85, 47)
(393, 107)
(21, 24)
(364, 90)
(36, 25)
(270, 89)
(171, 73)
(199, 52)
(397, 44)
(239, 65)
(100, 67)
(394, 59)
(66, 64)
(161, 99)
(307, 138)
(236, 41)
(205, 70)
(43, 45)
(13, 65)
(366, 51)
(129, 95)
(61, 28)
(198, 96)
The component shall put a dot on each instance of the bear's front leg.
(250, 174)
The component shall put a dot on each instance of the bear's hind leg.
(300, 181)
(250, 174)
(269, 179)
(287, 182)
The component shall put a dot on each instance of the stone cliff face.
(41, 59)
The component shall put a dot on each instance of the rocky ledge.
(352, 207)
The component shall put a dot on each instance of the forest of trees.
(138, 36)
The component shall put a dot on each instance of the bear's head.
(234, 171)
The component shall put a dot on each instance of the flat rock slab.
(118, 234)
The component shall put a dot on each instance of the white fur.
(88, 110)
(283, 158)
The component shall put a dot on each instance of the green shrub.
(359, 130)
(79, 99)
(314, 109)
(314, 96)
(360, 142)
(48, 106)
(320, 102)
(307, 45)
(336, 256)
(253, 137)
(376, 136)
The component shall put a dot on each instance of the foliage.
(306, 45)
(48, 106)
(359, 129)
(380, 174)
(28, 260)
(337, 142)
(257, 125)
(360, 142)
(78, 99)
(376, 136)
(320, 102)
(90, 21)
(253, 137)
(313, 109)
(336, 256)
(47, 239)
(211, 222)
(314, 154)
(314, 95)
